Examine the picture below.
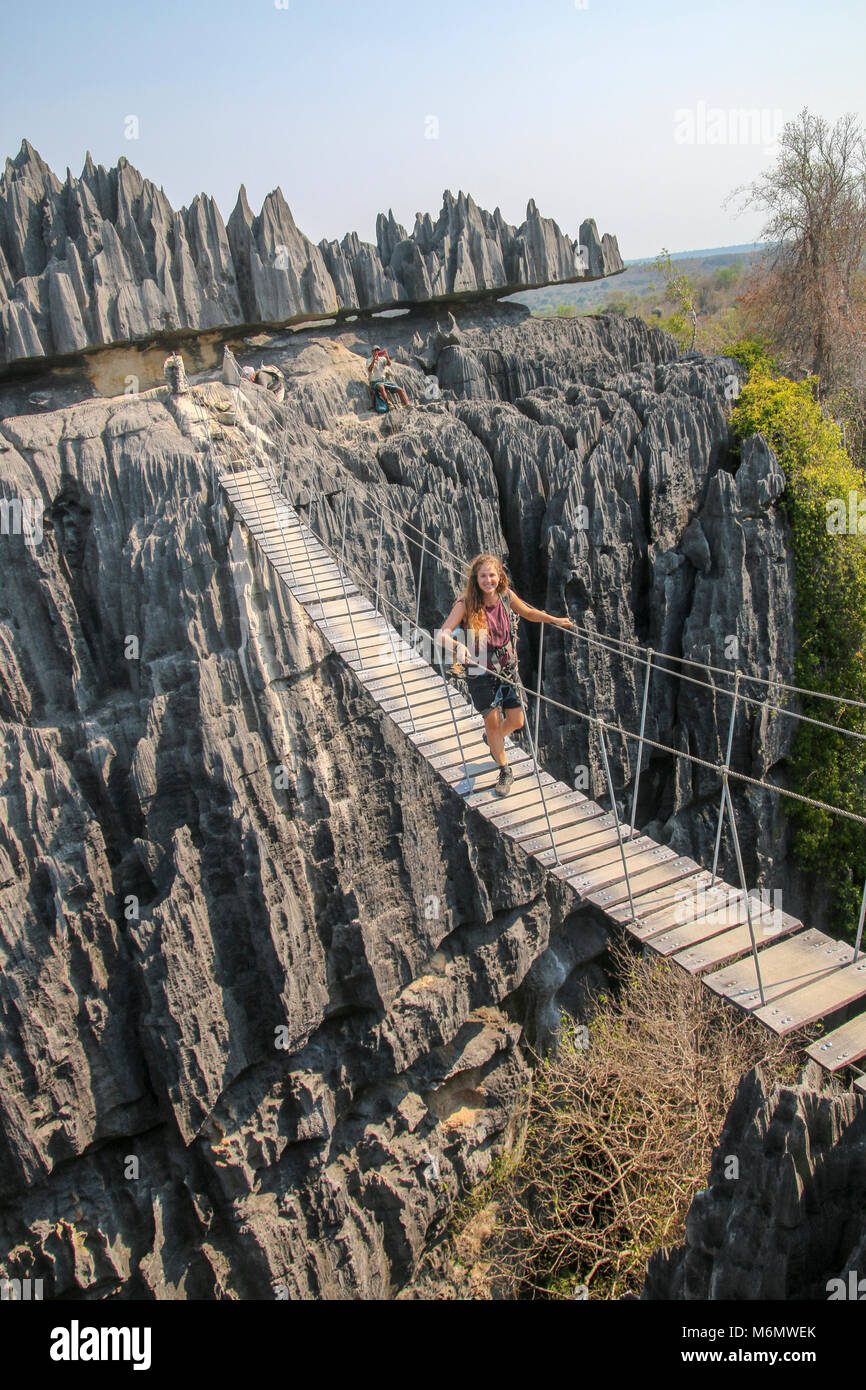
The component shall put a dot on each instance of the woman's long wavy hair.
(476, 618)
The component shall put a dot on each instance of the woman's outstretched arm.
(536, 615)
(455, 618)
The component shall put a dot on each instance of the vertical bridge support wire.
(725, 775)
(640, 741)
(343, 581)
(538, 682)
(520, 694)
(860, 925)
(633, 917)
(418, 582)
(727, 795)
(463, 788)
(379, 558)
(397, 660)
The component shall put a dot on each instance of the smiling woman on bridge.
(487, 613)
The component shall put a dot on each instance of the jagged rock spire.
(104, 258)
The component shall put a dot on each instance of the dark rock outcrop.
(784, 1215)
(104, 258)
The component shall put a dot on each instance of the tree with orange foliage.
(807, 295)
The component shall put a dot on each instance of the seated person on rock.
(379, 370)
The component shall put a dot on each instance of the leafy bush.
(753, 354)
(830, 568)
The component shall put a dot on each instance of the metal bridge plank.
(595, 845)
(784, 968)
(366, 635)
(447, 752)
(690, 901)
(431, 726)
(360, 604)
(843, 1046)
(514, 798)
(313, 595)
(485, 776)
(524, 822)
(594, 839)
(421, 702)
(529, 810)
(389, 686)
(572, 815)
(439, 748)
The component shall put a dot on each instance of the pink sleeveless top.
(498, 628)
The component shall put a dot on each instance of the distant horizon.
(352, 108)
(742, 248)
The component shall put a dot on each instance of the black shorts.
(488, 691)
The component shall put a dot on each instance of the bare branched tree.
(808, 292)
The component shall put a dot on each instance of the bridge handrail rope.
(459, 568)
(430, 546)
(610, 643)
(590, 635)
(719, 690)
(615, 728)
(378, 507)
(600, 640)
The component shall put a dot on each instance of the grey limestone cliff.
(267, 983)
(784, 1214)
(104, 258)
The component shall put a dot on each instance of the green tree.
(679, 290)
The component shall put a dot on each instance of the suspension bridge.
(738, 942)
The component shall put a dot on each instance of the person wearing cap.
(379, 368)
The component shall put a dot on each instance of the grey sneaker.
(504, 780)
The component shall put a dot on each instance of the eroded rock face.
(267, 983)
(784, 1215)
(105, 258)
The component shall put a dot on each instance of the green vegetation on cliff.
(825, 501)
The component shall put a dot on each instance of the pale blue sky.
(330, 99)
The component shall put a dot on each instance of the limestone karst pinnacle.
(105, 258)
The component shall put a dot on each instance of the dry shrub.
(620, 1132)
